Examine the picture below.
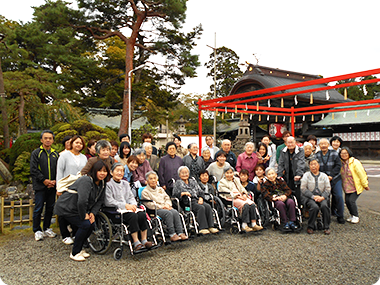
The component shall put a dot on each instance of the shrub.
(26, 142)
(21, 170)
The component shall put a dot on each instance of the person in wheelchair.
(248, 185)
(231, 184)
(315, 189)
(184, 188)
(164, 207)
(120, 196)
(275, 189)
(206, 187)
(79, 209)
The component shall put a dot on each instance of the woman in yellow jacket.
(354, 181)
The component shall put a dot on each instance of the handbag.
(64, 183)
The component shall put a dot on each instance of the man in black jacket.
(43, 169)
(231, 157)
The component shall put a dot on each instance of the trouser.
(136, 221)
(204, 214)
(351, 203)
(43, 197)
(84, 230)
(289, 206)
(248, 213)
(63, 224)
(172, 221)
(337, 204)
(314, 208)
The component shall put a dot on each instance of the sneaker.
(350, 219)
(213, 230)
(68, 240)
(49, 233)
(286, 227)
(293, 226)
(175, 238)
(247, 229)
(38, 235)
(77, 257)
(204, 232)
(84, 253)
(183, 237)
(257, 228)
(355, 220)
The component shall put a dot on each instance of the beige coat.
(158, 195)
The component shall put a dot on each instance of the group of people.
(109, 175)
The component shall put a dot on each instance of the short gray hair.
(139, 151)
(291, 138)
(324, 139)
(145, 144)
(269, 169)
(182, 168)
(226, 141)
(113, 167)
(150, 173)
(250, 143)
(102, 144)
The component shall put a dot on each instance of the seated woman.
(315, 189)
(248, 185)
(164, 207)
(103, 149)
(189, 187)
(206, 187)
(80, 209)
(120, 196)
(218, 167)
(247, 208)
(276, 190)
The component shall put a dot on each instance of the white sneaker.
(355, 220)
(49, 233)
(38, 235)
(349, 219)
(68, 240)
(84, 253)
(77, 257)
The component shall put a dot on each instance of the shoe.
(138, 247)
(327, 231)
(77, 257)
(84, 253)
(213, 230)
(175, 238)
(350, 219)
(183, 237)
(310, 231)
(341, 220)
(293, 226)
(247, 229)
(256, 228)
(38, 235)
(355, 220)
(68, 240)
(204, 232)
(49, 233)
(286, 227)
(148, 244)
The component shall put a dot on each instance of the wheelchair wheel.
(101, 238)
(234, 230)
(219, 206)
(118, 253)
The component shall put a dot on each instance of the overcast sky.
(325, 38)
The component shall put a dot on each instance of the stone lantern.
(181, 129)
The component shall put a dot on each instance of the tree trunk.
(4, 110)
(21, 114)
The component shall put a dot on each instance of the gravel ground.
(350, 255)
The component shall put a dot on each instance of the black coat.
(43, 165)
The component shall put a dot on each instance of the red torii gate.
(241, 106)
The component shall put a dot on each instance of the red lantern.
(276, 130)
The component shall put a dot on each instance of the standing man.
(231, 157)
(271, 150)
(43, 170)
(194, 162)
(210, 146)
(285, 135)
(330, 164)
(291, 165)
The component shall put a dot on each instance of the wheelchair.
(110, 228)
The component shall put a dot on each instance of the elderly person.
(248, 160)
(308, 151)
(330, 164)
(120, 196)
(206, 156)
(168, 170)
(210, 146)
(181, 151)
(354, 181)
(153, 159)
(274, 189)
(336, 143)
(291, 165)
(218, 167)
(143, 168)
(193, 161)
(271, 150)
(148, 138)
(230, 156)
(81, 208)
(315, 189)
(206, 187)
(247, 208)
(103, 149)
(187, 187)
(165, 211)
